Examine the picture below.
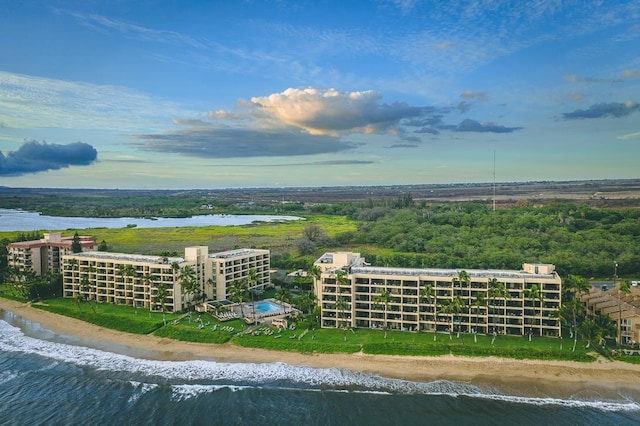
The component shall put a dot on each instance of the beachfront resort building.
(619, 306)
(234, 265)
(44, 255)
(134, 280)
(352, 293)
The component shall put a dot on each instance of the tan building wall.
(409, 310)
(234, 265)
(132, 279)
(620, 307)
(44, 255)
(103, 277)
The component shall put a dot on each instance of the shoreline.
(562, 379)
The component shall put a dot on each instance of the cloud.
(614, 109)
(329, 112)
(630, 74)
(628, 136)
(404, 145)
(33, 157)
(224, 142)
(574, 78)
(469, 125)
(29, 101)
(474, 94)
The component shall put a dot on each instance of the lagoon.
(20, 220)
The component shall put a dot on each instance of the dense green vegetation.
(576, 238)
(582, 241)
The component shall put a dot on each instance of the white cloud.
(324, 111)
(628, 136)
(29, 102)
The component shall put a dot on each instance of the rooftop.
(125, 257)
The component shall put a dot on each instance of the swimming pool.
(267, 306)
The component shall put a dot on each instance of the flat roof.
(236, 253)
(478, 273)
(126, 257)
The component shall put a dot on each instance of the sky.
(144, 94)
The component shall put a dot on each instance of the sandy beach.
(557, 378)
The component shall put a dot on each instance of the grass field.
(275, 236)
(203, 328)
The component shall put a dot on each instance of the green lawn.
(116, 317)
(415, 344)
(204, 328)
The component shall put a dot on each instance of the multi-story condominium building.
(619, 306)
(44, 255)
(234, 265)
(133, 279)
(354, 294)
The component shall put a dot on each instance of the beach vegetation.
(115, 317)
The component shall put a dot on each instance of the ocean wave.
(191, 378)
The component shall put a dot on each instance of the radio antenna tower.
(494, 180)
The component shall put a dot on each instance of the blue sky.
(220, 94)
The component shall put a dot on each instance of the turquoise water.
(266, 306)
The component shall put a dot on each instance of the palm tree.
(148, 280)
(283, 295)
(478, 302)
(314, 272)
(85, 287)
(590, 331)
(571, 313)
(252, 280)
(533, 294)
(237, 292)
(161, 298)
(342, 306)
(606, 325)
(307, 301)
(579, 285)
(496, 289)
(429, 293)
(623, 287)
(128, 271)
(383, 299)
(453, 307)
(189, 283)
(341, 277)
(464, 281)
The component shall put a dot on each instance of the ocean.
(51, 379)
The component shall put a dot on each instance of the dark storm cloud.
(33, 157)
(612, 109)
(469, 125)
(230, 143)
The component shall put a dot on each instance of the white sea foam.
(190, 378)
(140, 389)
(8, 375)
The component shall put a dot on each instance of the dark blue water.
(44, 381)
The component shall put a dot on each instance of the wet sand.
(562, 379)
